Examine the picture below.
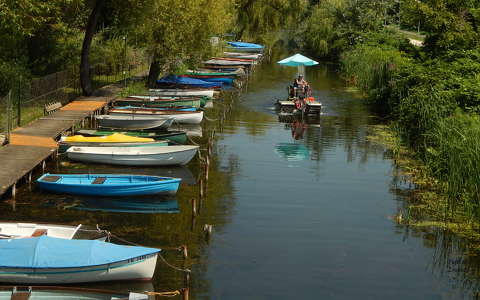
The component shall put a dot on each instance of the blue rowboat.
(48, 260)
(108, 184)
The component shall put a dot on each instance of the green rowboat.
(194, 102)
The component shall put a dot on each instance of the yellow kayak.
(114, 138)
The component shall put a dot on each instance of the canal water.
(300, 208)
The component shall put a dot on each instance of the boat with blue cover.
(179, 81)
(108, 184)
(48, 260)
(224, 80)
(245, 47)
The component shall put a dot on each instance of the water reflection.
(116, 205)
(292, 151)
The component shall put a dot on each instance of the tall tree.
(178, 31)
(85, 80)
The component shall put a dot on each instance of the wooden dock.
(34, 143)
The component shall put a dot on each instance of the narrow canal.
(301, 209)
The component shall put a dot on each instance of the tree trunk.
(85, 80)
(153, 73)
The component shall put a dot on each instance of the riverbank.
(427, 204)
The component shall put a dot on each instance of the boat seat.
(39, 232)
(20, 295)
(99, 180)
(51, 178)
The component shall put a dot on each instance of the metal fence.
(26, 101)
(6, 122)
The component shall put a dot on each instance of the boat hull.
(112, 187)
(139, 268)
(193, 118)
(181, 157)
(178, 137)
(182, 92)
(64, 146)
(21, 230)
(60, 293)
(196, 103)
(246, 49)
(133, 123)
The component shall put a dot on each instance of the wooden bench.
(51, 107)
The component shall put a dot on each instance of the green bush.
(11, 76)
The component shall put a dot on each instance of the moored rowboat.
(64, 293)
(157, 102)
(181, 117)
(183, 92)
(179, 137)
(134, 156)
(47, 260)
(131, 122)
(115, 139)
(11, 230)
(108, 184)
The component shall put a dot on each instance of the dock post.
(194, 207)
(185, 294)
(43, 166)
(185, 251)
(30, 177)
(207, 167)
(208, 231)
(14, 190)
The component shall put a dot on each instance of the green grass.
(135, 88)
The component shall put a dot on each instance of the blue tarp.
(224, 80)
(49, 252)
(245, 45)
(173, 79)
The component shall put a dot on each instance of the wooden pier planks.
(32, 144)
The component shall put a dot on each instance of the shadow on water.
(300, 207)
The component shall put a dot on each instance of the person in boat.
(300, 82)
(302, 88)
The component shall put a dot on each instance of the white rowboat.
(134, 156)
(10, 230)
(180, 117)
(131, 122)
